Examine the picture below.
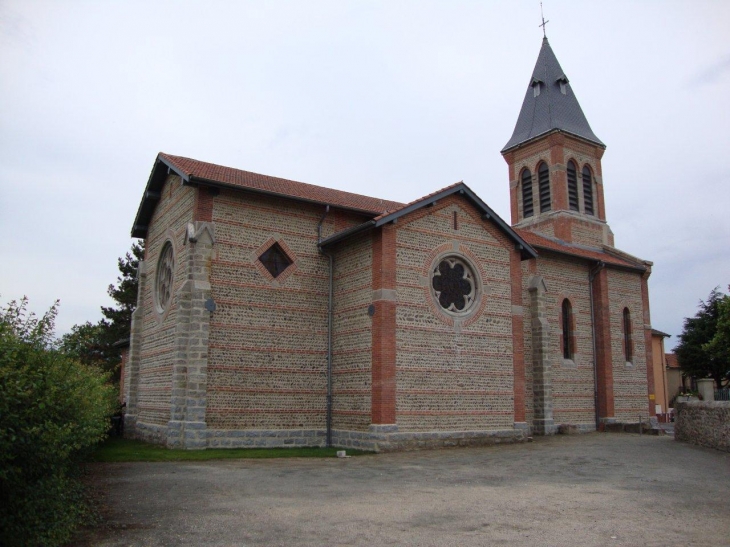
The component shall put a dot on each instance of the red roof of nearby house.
(671, 360)
(211, 172)
(558, 246)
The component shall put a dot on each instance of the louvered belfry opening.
(543, 179)
(527, 207)
(572, 186)
(587, 191)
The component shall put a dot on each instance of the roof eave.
(194, 180)
(152, 194)
(520, 144)
(345, 234)
(163, 167)
(526, 250)
(626, 267)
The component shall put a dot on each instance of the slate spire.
(549, 104)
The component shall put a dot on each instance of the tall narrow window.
(572, 186)
(588, 190)
(527, 207)
(568, 349)
(627, 336)
(543, 180)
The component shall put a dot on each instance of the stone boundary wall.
(706, 423)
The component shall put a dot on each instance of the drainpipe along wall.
(591, 276)
(329, 326)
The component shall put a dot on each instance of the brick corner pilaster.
(383, 403)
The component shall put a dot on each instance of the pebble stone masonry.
(442, 325)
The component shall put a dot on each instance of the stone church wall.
(352, 337)
(268, 337)
(452, 377)
(572, 380)
(629, 379)
(157, 351)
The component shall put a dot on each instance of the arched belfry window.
(543, 183)
(527, 204)
(627, 336)
(587, 190)
(567, 317)
(572, 186)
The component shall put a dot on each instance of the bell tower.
(554, 159)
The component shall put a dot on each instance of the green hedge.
(52, 409)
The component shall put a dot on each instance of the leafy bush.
(52, 409)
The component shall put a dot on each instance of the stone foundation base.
(378, 438)
(387, 438)
(151, 433)
(263, 438)
(544, 427)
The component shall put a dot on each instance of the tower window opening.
(527, 205)
(543, 179)
(572, 186)
(587, 191)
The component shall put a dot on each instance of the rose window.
(453, 284)
(163, 282)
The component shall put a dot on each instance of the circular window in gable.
(454, 285)
(164, 277)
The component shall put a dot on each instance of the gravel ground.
(584, 490)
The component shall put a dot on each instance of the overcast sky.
(393, 99)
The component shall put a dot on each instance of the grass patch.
(115, 449)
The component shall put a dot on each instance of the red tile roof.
(542, 242)
(274, 185)
(419, 200)
(672, 361)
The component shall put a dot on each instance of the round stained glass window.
(453, 284)
(164, 279)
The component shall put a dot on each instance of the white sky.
(390, 99)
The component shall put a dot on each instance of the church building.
(278, 313)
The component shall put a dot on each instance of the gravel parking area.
(584, 490)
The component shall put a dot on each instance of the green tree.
(93, 343)
(697, 353)
(719, 346)
(124, 293)
(52, 409)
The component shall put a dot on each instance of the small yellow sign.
(651, 397)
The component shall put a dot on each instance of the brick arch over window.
(528, 208)
(543, 183)
(587, 175)
(572, 186)
(628, 341)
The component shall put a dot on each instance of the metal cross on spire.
(544, 35)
